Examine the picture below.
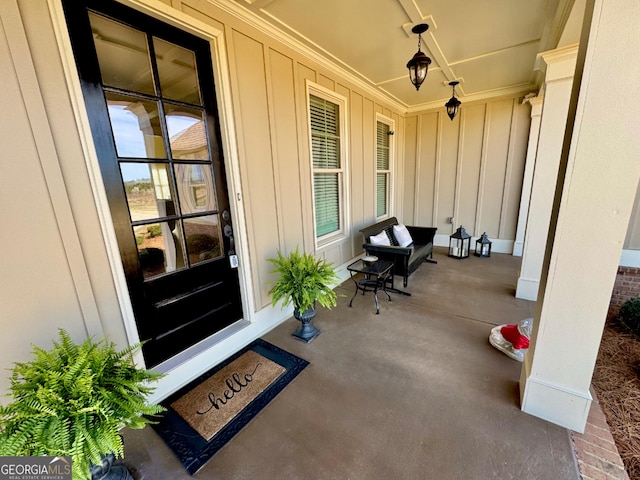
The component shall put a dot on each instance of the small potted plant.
(304, 280)
(73, 400)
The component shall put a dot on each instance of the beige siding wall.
(518, 143)
(439, 167)
(256, 156)
(69, 158)
(469, 168)
(44, 283)
(56, 271)
(269, 81)
(471, 158)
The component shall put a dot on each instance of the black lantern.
(483, 246)
(453, 103)
(459, 243)
(419, 64)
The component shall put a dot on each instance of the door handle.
(228, 232)
(233, 258)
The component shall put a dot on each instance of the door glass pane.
(203, 238)
(177, 72)
(159, 247)
(148, 189)
(122, 54)
(187, 135)
(136, 126)
(195, 188)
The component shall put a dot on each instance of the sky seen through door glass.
(131, 140)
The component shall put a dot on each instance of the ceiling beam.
(412, 10)
(416, 17)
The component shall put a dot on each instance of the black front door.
(150, 96)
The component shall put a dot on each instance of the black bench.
(406, 259)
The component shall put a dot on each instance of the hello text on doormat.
(216, 401)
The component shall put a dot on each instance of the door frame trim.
(222, 81)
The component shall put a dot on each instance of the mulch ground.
(617, 383)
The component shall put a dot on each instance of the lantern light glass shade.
(459, 243)
(453, 103)
(452, 107)
(483, 246)
(419, 65)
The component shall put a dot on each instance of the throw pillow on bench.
(403, 237)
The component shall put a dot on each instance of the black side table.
(376, 276)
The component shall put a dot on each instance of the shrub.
(201, 242)
(154, 231)
(629, 315)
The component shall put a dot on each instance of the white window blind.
(383, 169)
(327, 164)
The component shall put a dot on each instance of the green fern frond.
(303, 280)
(73, 400)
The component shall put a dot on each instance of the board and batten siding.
(45, 282)
(470, 168)
(269, 82)
(59, 267)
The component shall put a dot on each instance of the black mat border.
(192, 450)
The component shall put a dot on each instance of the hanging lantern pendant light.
(419, 64)
(453, 103)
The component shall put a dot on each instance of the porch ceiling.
(490, 46)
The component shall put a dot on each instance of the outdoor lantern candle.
(459, 243)
(483, 246)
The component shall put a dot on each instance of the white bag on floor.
(512, 339)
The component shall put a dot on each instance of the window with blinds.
(327, 165)
(383, 169)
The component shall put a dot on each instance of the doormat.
(204, 415)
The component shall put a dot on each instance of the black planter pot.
(109, 470)
(307, 331)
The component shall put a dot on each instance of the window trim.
(343, 187)
(380, 118)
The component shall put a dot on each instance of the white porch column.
(597, 180)
(558, 81)
(530, 161)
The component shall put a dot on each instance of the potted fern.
(73, 400)
(303, 281)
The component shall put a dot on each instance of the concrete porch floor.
(412, 393)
